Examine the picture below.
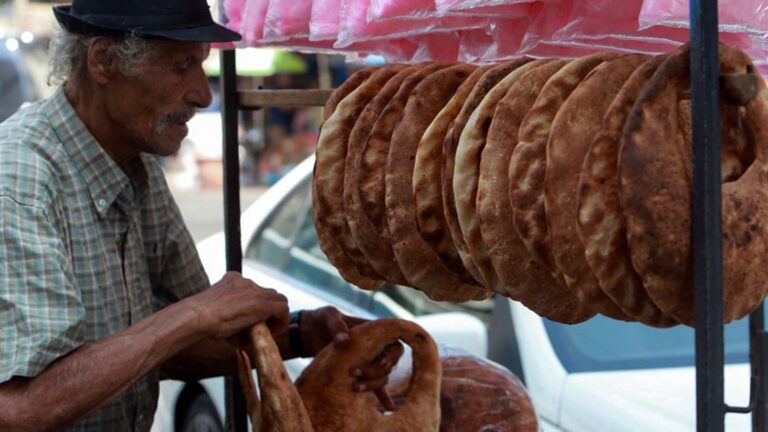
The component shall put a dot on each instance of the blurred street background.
(272, 140)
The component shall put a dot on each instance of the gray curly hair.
(68, 53)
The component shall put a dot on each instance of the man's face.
(152, 108)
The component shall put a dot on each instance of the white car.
(601, 375)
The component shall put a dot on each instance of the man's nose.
(199, 94)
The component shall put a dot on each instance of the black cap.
(180, 20)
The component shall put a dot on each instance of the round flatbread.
(427, 186)
(367, 213)
(419, 263)
(358, 139)
(573, 129)
(350, 84)
(483, 86)
(522, 277)
(328, 181)
(655, 194)
(527, 165)
(601, 225)
(467, 172)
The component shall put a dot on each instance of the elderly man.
(101, 289)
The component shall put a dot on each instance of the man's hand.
(235, 303)
(326, 325)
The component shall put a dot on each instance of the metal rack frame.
(706, 224)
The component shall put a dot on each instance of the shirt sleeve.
(42, 316)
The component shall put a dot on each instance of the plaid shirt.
(86, 250)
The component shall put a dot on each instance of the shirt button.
(102, 203)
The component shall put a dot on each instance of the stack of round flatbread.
(562, 184)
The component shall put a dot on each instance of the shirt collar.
(105, 180)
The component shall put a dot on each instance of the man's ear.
(102, 67)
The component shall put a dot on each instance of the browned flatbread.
(419, 263)
(467, 172)
(278, 394)
(601, 225)
(326, 386)
(655, 189)
(368, 210)
(350, 84)
(483, 86)
(328, 185)
(528, 163)
(522, 278)
(358, 139)
(573, 129)
(427, 188)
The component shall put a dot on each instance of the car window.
(308, 263)
(288, 243)
(271, 245)
(603, 344)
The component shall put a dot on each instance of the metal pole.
(706, 217)
(237, 419)
(757, 359)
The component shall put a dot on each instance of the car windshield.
(604, 344)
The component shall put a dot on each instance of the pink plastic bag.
(252, 21)
(442, 46)
(354, 25)
(234, 12)
(474, 44)
(419, 9)
(552, 17)
(507, 36)
(384, 9)
(599, 18)
(749, 16)
(324, 21)
(287, 19)
(394, 50)
(465, 7)
(600, 23)
(500, 11)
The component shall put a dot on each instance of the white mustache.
(174, 118)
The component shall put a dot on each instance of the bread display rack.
(706, 224)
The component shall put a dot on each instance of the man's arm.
(316, 329)
(94, 374)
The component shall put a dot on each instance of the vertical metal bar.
(757, 359)
(237, 419)
(706, 217)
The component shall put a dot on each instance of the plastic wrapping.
(498, 8)
(418, 9)
(247, 18)
(476, 394)
(507, 36)
(287, 20)
(385, 9)
(354, 25)
(486, 31)
(324, 21)
(749, 16)
(436, 47)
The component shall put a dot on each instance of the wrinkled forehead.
(163, 49)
